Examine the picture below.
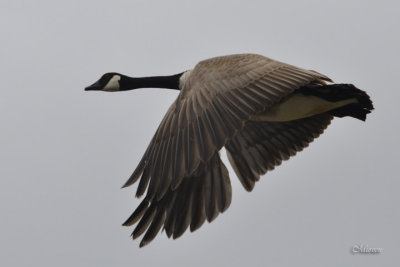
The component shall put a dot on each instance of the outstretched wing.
(200, 196)
(260, 146)
(218, 98)
(215, 102)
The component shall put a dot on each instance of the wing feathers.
(208, 141)
(230, 123)
(217, 100)
(247, 176)
(199, 197)
(144, 222)
(260, 146)
(154, 228)
(211, 129)
(138, 213)
(223, 128)
(182, 210)
(179, 162)
(155, 171)
(166, 176)
(136, 174)
(234, 109)
(198, 206)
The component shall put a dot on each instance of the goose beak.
(94, 87)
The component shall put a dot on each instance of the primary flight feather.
(261, 110)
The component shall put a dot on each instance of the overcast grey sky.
(65, 152)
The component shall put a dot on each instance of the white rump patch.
(300, 106)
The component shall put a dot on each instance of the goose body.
(261, 110)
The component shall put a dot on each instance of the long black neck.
(169, 82)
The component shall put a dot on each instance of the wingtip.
(127, 183)
(126, 223)
(143, 243)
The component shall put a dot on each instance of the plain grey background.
(65, 152)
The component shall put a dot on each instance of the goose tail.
(358, 110)
(337, 92)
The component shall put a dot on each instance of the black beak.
(94, 87)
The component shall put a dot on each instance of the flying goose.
(261, 110)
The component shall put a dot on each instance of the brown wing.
(215, 102)
(260, 146)
(200, 196)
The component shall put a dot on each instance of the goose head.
(113, 82)
(109, 82)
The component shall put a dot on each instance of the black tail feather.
(357, 111)
(338, 92)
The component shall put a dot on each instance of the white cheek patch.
(113, 84)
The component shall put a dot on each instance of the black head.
(109, 82)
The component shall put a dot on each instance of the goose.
(260, 110)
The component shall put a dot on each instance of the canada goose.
(261, 110)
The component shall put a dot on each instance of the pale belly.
(300, 106)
